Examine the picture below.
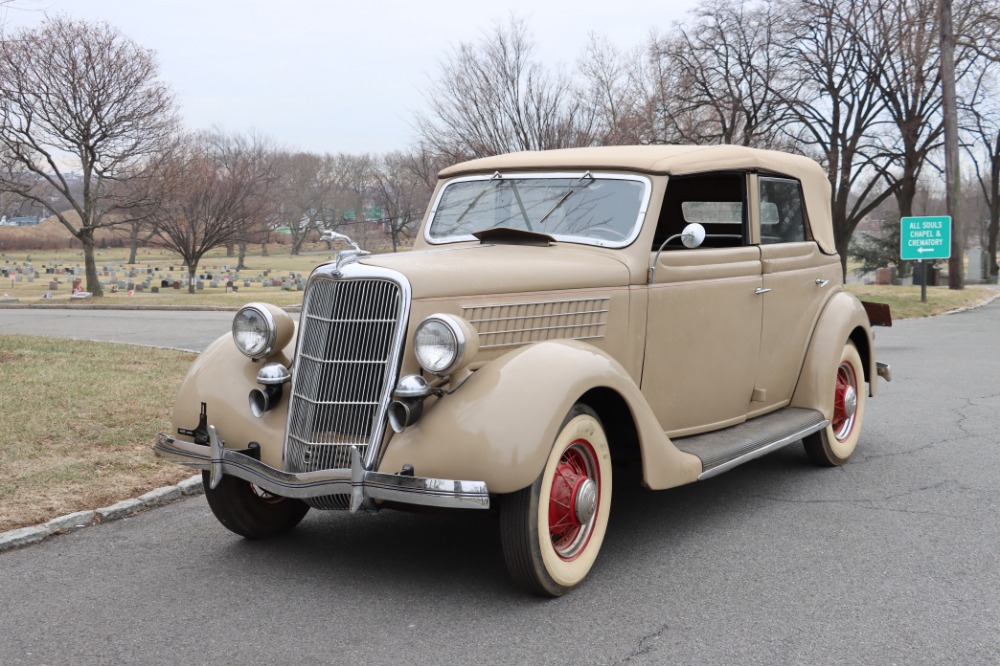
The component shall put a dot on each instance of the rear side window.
(781, 211)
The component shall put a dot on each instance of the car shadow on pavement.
(429, 553)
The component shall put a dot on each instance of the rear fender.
(500, 424)
(843, 319)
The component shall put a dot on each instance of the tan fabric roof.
(675, 160)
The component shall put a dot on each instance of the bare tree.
(426, 165)
(252, 155)
(653, 82)
(493, 98)
(615, 93)
(402, 193)
(303, 194)
(837, 108)
(724, 66)
(352, 182)
(980, 116)
(80, 101)
(213, 194)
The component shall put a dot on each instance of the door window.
(717, 201)
(781, 211)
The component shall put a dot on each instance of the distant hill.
(50, 234)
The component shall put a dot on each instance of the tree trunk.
(192, 274)
(953, 176)
(86, 237)
(133, 242)
(994, 232)
(905, 195)
(240, 266)
(263, 250)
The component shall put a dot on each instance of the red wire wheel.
(574, 499)
(845, 401)
(552, 530)
(834, 444)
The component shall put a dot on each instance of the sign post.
(922, 239)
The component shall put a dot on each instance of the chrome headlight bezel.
(268, 331)
(452, 338)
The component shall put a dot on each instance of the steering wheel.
(609, 233)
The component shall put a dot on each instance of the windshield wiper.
(587, 176)
(472, 204)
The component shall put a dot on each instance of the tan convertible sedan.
(682, 306)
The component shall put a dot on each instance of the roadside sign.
(925, 238)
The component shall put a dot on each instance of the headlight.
(443, 343)
(259, 329)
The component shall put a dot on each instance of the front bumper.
(364, 486)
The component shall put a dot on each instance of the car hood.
(472, 270)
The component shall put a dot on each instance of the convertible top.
(674, 160)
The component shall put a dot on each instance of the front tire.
(251, 512)
(834, 444)
(552, 530)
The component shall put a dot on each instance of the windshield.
(599, 209)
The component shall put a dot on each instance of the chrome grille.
(350, 333)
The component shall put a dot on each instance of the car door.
(704, 309)
(797, 279)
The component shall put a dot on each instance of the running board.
(722, 450)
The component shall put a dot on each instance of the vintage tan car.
(678, 306)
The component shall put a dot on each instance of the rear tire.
(253, 513)
(834, 444)
(552, 530)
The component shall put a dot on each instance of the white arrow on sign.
(921, 250)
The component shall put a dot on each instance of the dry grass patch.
(76, 423)
(905, 301)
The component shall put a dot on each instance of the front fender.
(843, 319)
(499, 426)
(222, 378)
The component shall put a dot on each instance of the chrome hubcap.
(585, 503)
(845, 403)
(850, 402)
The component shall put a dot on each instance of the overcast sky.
(334, 76)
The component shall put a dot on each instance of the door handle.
(821, 282)
(761, 290)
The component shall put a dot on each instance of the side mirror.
(693, 235)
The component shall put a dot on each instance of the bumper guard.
(364, 486)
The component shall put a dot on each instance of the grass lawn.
(77, 422)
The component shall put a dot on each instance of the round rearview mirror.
(693, 235)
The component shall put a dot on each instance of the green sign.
(371, 214)
(925, 238)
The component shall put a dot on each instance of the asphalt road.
(893, 558)
(192, 331)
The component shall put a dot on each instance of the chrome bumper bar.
(362, 485)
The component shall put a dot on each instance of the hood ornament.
(344, 257)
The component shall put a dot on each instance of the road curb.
(966, 308)
(27, 536)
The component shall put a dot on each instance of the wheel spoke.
(573, 472)
(844, 395)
